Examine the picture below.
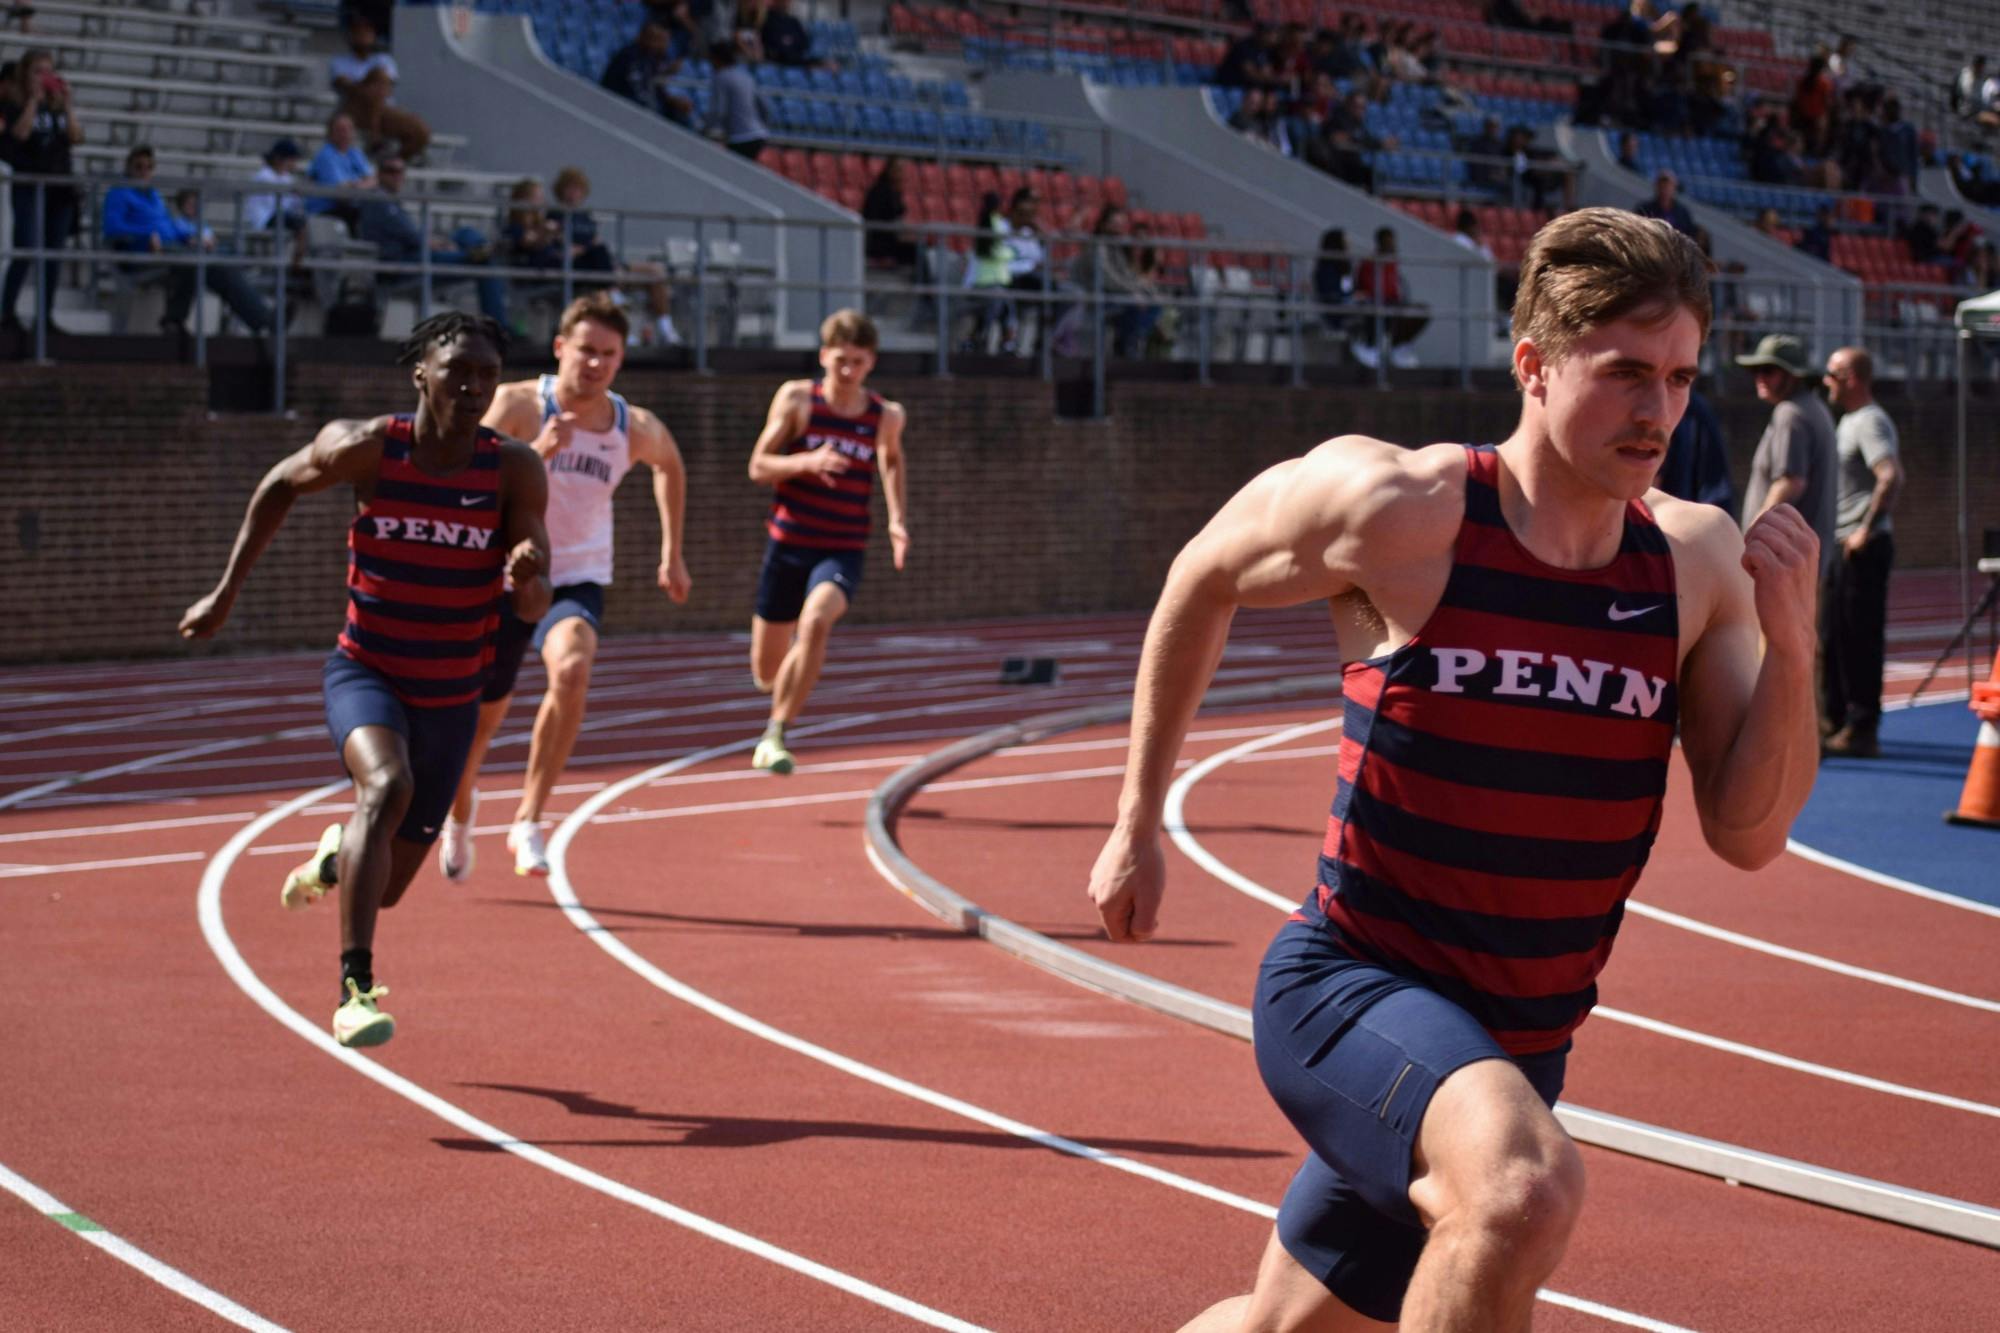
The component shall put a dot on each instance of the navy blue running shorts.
(790, 573)
(579, 601)
(1352, 1052)
(438, 738)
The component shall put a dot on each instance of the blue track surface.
(1886, 814)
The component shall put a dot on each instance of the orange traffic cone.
(1979, 803)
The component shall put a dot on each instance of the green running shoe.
(359, 1022)
(307, 882)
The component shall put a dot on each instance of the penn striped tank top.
(425, 572)
(829, 514)
(1501, 775)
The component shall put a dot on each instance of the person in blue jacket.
(139, 221)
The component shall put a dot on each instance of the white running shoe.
(455, 854)
(1366, 354)
(1404, 358)
(531, 853)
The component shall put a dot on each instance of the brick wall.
(126, 492)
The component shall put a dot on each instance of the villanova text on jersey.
(425, 573)
(830, 513)
(589, 463)
(1502, 775)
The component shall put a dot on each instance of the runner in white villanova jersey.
(588, 437)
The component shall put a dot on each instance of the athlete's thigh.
(825, 605)
(572, 639)
(376, 754)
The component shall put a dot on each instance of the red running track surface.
(152, 1094)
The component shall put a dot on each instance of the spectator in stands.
(365, 81)
(1961, 240)
(1628, 67)
(639, 72)
(883, 207)
(1257, 119)
(1840, 65)
(1812, 105)
(138, 221)
(589, 254)
(1348, 142)
(1769, 224)
(38, 128)
(1331, 54)
(276, 209)
(1797, 459)
(530, 237)
(990, 271)
(1379, 282)
(1486, 154)
(1982, 272)
(684, 34)
(1540, 182)
(1628, 153)
(381, 13)
(340, 162)
(1131, 299)
(1666, 205)
(785, 40)
(1028, 263)
(1333, 277)
(1900, 151)
(1465, 231)
(735, 107)
(386, 223)
(710, 21)
(1972, 95)
(1817, 240)
(1697, 463)
(1250, 61)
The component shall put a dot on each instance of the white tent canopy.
(1980, 316)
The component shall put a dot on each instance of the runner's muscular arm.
(524, 499)
(1294, 534)
(653, 444)
(791, 412)
(895, 478)
(1747, 725)
(343, 451)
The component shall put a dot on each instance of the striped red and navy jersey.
(1502, 774)
(425, 572)
(829, 513)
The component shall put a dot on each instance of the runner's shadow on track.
(707, 1131)
(818, 930)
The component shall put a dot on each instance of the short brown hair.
(596, 306)
(849, 328)
(1599, 265)
(569, 176)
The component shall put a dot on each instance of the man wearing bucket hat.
(1797, 460)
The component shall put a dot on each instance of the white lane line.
(1915, 890)
(216, 933)
(1176, 826)
(19, 871)
(129, 720)
(134, 826)
(564, 893)
(561, 889)
(151, 761)
(1763, 1056)
(1751, 942)
(125, 1251)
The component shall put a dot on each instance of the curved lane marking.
(219, 942)
(563, 891)
(126, 1252)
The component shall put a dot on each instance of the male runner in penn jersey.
(448, 519)
(588, 437)
(1523, 628)
(824, 443)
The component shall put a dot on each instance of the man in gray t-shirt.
(1854, 610)
(1795, 462)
